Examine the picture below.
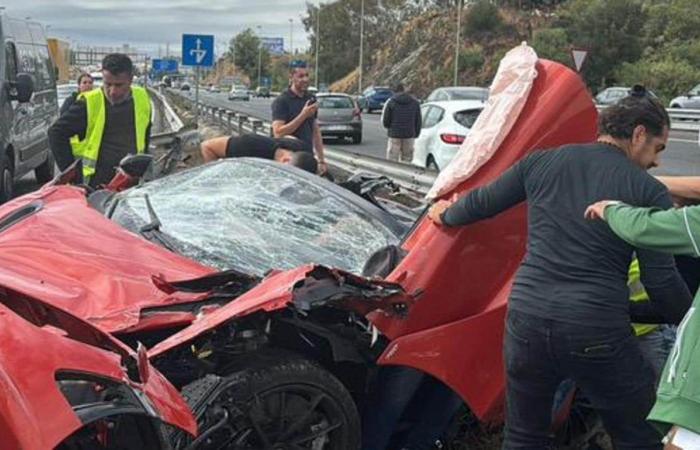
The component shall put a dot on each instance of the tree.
(611, 30)
(246, 48)
(552, 43)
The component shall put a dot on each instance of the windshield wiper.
(151, 231)
(154, 224)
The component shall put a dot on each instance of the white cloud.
(155, 23)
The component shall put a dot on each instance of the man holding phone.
(294, 113)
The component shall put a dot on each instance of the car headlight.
(92, 396)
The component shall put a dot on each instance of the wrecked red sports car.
(69, 386)
(283, 359)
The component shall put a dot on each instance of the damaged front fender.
(304, 288)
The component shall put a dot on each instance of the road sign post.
(197, 51)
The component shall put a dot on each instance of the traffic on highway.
(417, 226)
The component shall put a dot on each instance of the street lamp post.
(259, 55)
(459, 29)
(291, 37)
(362, 36)
(318, 40)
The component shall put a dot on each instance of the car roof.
(333, 94)
(457, 105)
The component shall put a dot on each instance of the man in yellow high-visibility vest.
(105, 124)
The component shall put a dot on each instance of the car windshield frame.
(388, 229)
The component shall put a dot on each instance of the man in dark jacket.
(401, 117)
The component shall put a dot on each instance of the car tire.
(675, 105)
(6, 179)
(431, 164)
(45, 172)
(357, 138)
(252, 398)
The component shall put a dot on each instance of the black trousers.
(606, 364)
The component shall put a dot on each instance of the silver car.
(239, 92)
(691, 100)
(339, 117)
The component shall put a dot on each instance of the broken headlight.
(93, 397)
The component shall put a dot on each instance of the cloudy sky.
(151, 24)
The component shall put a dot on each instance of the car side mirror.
(135, 165)
(23, 88)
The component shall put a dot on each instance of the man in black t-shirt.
(283, 150)
(569, 312)
(294, 114)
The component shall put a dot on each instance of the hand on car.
(322, 167)
(597, 209)
(435, 211)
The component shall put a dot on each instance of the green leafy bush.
(483, 16)
(667, 76)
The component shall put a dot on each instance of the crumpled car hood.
(34, 414)
(70, 255)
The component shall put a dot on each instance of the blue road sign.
(274, 45)
(198, 50)
(161, 66)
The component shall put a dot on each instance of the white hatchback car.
(445, 126)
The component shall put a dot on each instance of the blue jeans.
(655, 347)
(606, 364)
(395, 389)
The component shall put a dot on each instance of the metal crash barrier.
(413, 178)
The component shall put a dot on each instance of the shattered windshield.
(255, 216)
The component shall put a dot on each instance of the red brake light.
(452, 138)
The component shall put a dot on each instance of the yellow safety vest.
(638, 294)
(88, 150)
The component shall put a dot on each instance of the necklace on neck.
(613, 145)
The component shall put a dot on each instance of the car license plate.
(335, 127)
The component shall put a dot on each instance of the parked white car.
(458, 93)
(691, 100)
(445, 126)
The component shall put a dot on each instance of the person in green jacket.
(674, 231)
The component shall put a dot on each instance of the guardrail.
(173, 124)
(413, 178)
(681, 119)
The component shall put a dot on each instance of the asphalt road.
(373, 135)
(682, 157)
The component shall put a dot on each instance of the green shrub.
(482, 16)
(552, 43)
(667, 77)
(471, 59)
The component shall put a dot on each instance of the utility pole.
(291, 37)
(260, 45)
(362, 36)
(318, 39)
(459, 29)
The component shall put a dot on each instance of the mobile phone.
(312, 100)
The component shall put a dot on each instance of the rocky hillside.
(422, 55)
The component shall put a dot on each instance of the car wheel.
(287, 402)
(45, 172)
(431, 164)
(6, 179)
(357, 138)
(675, 105)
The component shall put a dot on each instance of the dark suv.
(374, 98)
(27, 74)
